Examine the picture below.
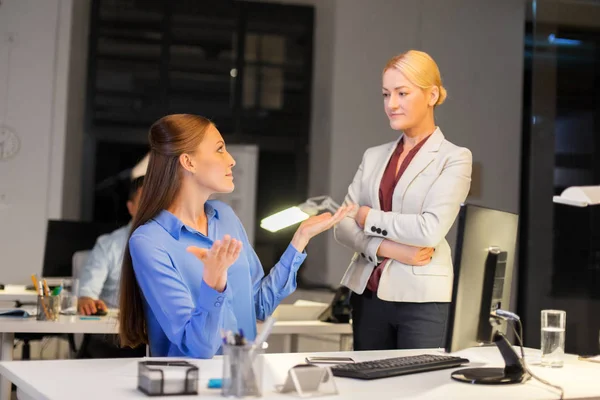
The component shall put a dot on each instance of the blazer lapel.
(381, 164)
(422, 159)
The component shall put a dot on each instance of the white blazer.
(425, 204)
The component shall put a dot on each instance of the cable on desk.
(543, 381)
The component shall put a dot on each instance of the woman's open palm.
(320, 223)
(217, 260)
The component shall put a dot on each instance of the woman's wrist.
(217, 282)
(299, 241)
(390, 249)
(361, 216)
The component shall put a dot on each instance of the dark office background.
(248, 66)
(560, 245)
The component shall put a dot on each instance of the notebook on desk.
(22, 312)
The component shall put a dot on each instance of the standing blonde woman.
(409, 192)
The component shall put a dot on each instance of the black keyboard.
(396, 366)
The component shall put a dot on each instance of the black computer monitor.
(483, 271)
(64, 238)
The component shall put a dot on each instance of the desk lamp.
(299, 213)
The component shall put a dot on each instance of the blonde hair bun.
(442, 97)
(419, 68)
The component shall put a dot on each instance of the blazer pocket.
(440, 270)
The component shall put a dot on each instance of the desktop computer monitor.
(483, 271)
(64, 238)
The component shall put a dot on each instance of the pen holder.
(242, 371)
(48, 308)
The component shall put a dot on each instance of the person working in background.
(101, 274)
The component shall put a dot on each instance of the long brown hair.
(169, 137)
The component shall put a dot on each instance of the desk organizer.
(242, 371)
(48, 308)
(167, 378)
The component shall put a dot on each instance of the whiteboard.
(243, 198)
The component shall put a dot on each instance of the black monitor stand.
(513, 372)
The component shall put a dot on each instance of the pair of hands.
(224, 253)
(411, 255)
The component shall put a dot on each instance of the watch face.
(9, 143)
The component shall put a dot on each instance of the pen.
(226, 335)
(238, 339)
(230, 338)
(265, 332)
(37, 285)
(262, 336)
(90, 318)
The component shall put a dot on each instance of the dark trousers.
(385, 325)
(107, 346)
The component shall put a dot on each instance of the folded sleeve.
(439, 210)
(348, 233)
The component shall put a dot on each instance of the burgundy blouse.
(386, 193)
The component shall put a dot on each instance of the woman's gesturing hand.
(317, 224)
(217, 260)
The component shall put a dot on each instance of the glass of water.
(554, 323)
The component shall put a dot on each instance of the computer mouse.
(100, 313)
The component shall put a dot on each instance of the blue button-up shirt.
(184, 315)
(100, 276)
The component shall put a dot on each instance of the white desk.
(109, 325)
(117, 379)
(18, 293)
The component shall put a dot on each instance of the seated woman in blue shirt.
(189, 271)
